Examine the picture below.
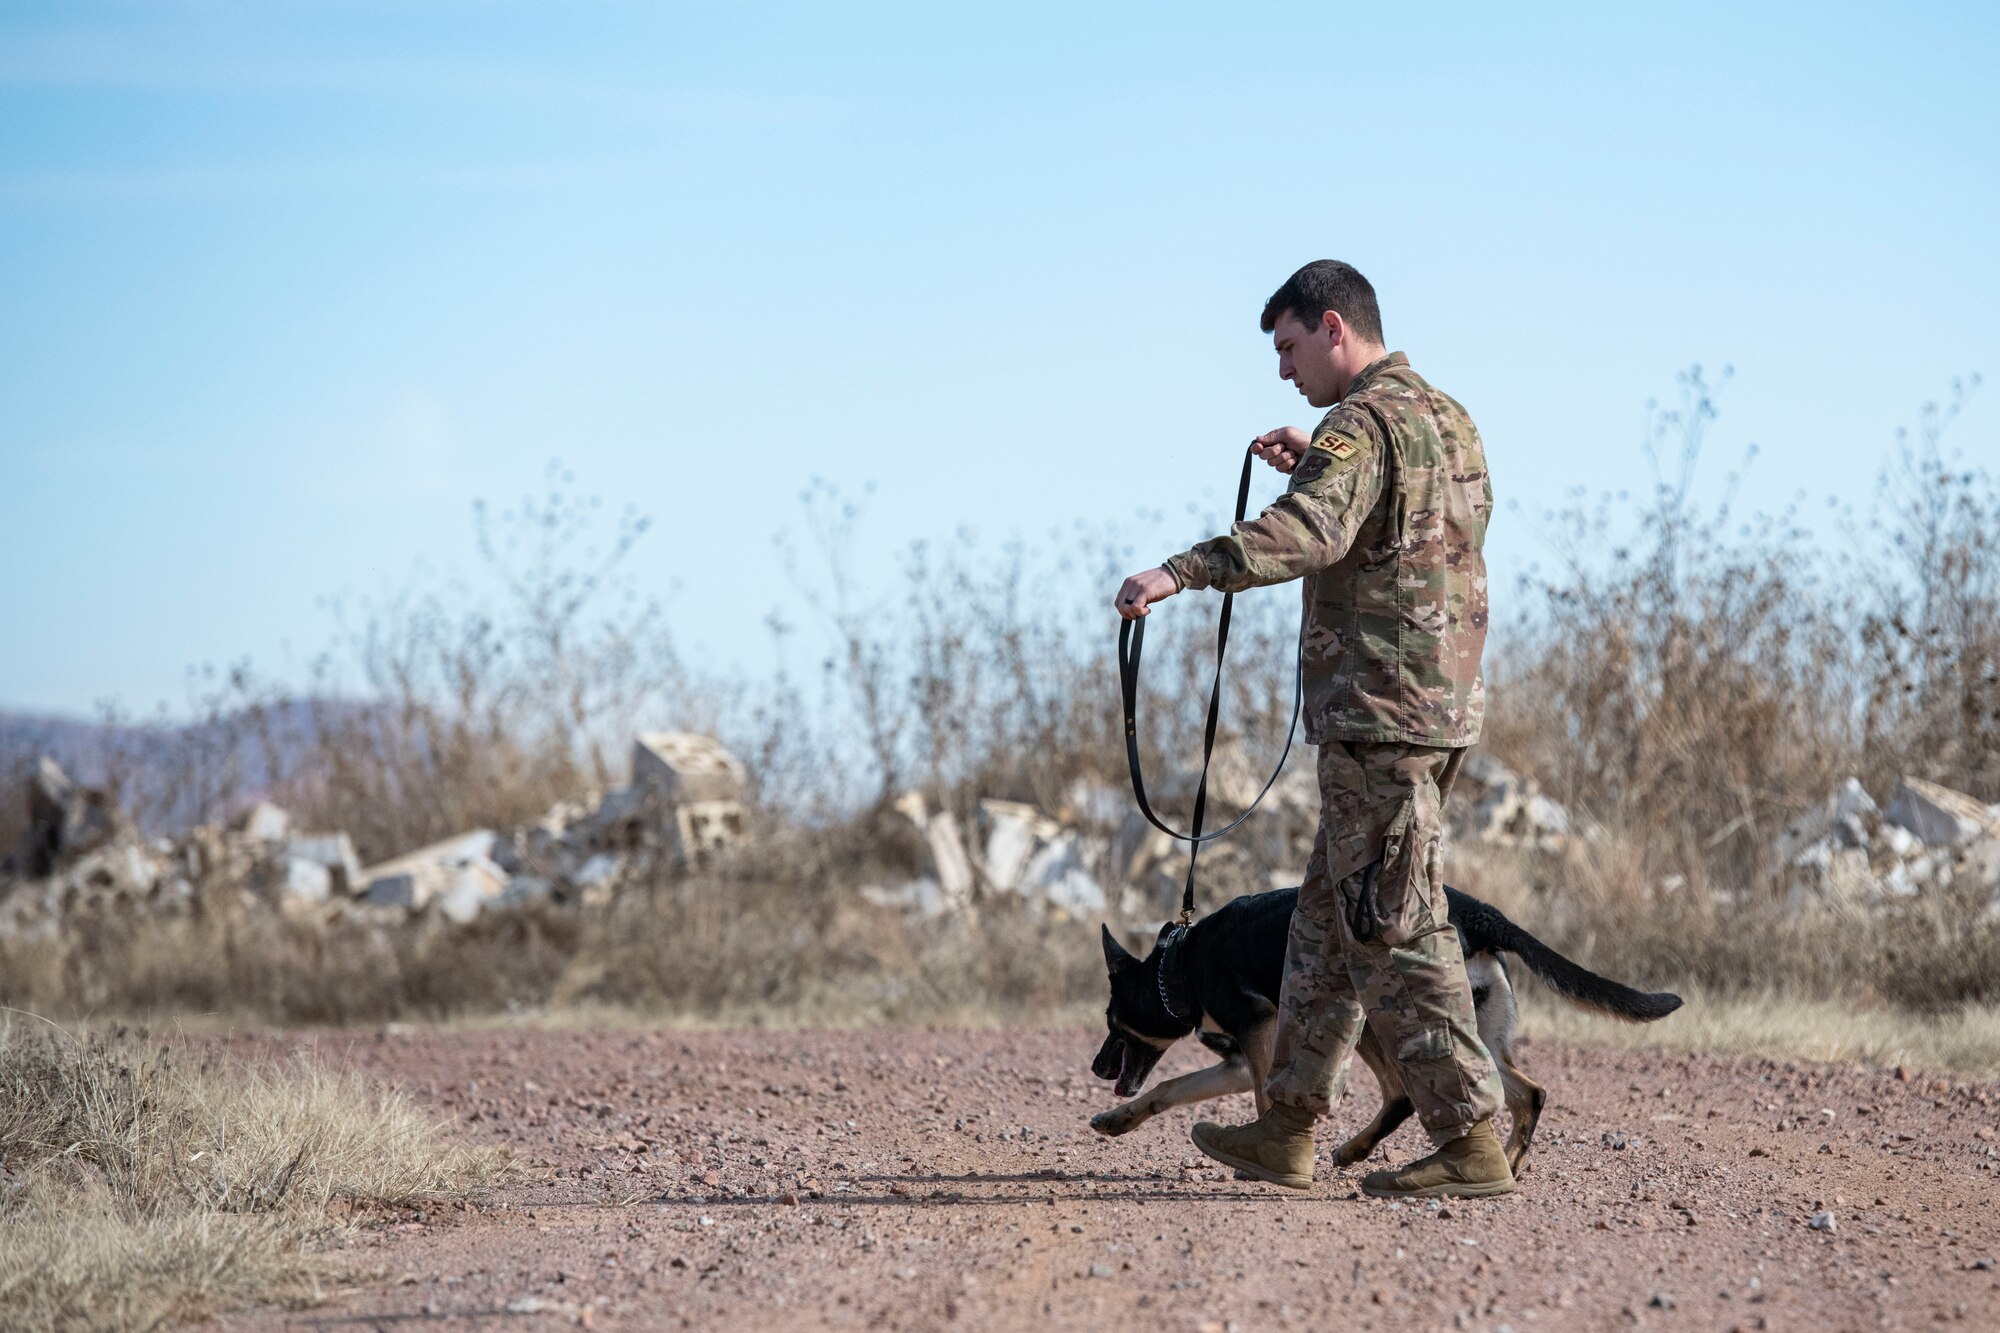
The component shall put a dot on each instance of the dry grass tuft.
(138, 1188)
(1786, 1026)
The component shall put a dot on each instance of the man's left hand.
(1137, 594)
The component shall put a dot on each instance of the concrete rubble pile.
(80, 854)
(1089, 855)
(1096, 850)
(1011, 850)
(686, 801)
(1849, 852)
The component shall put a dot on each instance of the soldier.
(1383, 520)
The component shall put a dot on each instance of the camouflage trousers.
(1372, 941)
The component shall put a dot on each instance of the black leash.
(1131, 640)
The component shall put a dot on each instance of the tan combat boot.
(1472, 1166)
(1277, 1146)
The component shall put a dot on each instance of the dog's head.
(1138, 1028)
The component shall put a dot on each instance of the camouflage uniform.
(1384, 519)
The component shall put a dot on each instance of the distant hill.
(170, 775)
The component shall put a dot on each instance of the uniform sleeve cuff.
(1189, 570)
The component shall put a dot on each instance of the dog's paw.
(1352, 1151)
(1118, 1120)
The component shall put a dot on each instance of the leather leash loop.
(1131, 643)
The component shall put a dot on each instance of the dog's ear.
(1115, 956)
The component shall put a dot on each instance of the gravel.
(922, 1179)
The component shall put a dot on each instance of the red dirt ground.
(930, 1179)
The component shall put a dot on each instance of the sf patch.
(1321, 456)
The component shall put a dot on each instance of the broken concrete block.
(595, 879)
(264, 822)
(523, 890)
(1939, 816)
(1545, 818)
(413, 879)
(1852, 801)
(1826, 874)
(302, 881)
(703, 827)
(408, 888)
(950, 865)
(1930, 870)
(48, 797)
(119, 870)
(138, 871)
(49, 789)
(1059, 874)
(1849, 816)
(335, 851)
(1014, 832)
(461, 902)
(954, 867)
(1492, 803)
(1031, 854)
(65, 820)
(619, 820)
(683, 766)
(471, 886)
(600, 869)
(1898, 882)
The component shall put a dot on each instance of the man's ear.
(1116, 958)
(1335, 326)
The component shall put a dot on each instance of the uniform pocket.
(1395, 903)
(1431, 1042)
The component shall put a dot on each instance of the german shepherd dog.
(1230, 966)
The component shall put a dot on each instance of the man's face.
(1306, 356)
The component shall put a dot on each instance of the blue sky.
(284, 287)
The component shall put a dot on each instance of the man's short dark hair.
(1323, 285)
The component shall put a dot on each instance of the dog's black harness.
(1131, 639)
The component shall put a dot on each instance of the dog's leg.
(1396, 1105)
(1525, 1099)
(1497, 1014)
(1257, 1046)
(1232, 1075)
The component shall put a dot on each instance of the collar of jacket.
(1379, 366)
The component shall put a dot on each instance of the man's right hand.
(1282, 448)
(1138, 593)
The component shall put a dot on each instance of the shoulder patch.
(1328, 455)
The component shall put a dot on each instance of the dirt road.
(916, 1180)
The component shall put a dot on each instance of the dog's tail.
(1486, 926)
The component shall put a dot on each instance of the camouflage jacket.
(1384, 519)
